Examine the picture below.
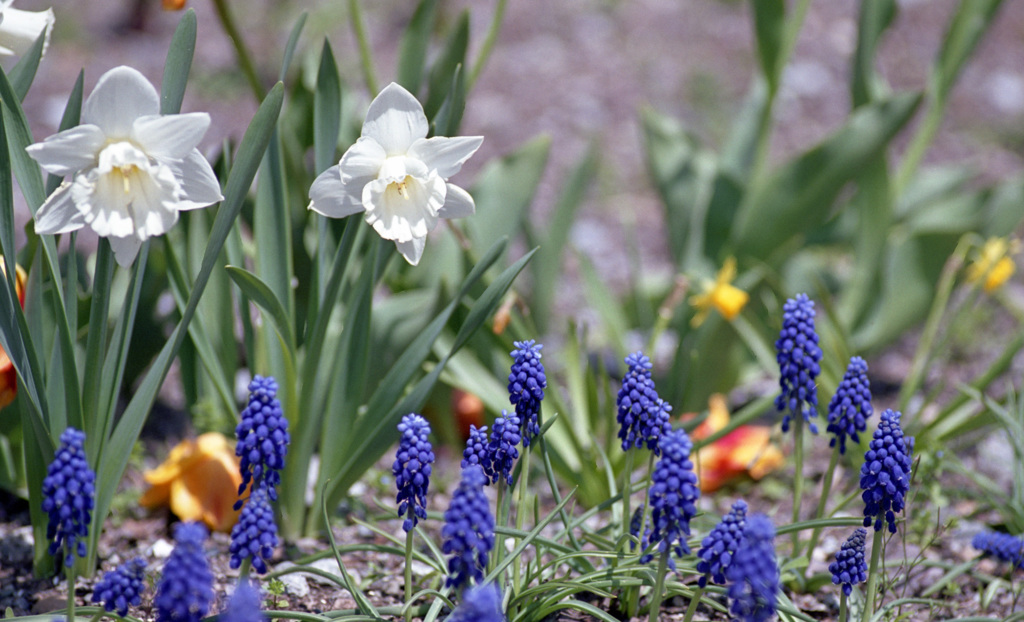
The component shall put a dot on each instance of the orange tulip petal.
(207, 492)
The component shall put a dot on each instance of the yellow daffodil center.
(400, 187)
(126, 172)
(994, 264)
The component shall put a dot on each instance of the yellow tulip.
(722, 295)
(199, 481)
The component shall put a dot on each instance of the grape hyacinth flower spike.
(121, 587)
(244, 605)
(850, 407)
(501, 450)
(719, 547)
(254, 536)
(849, 569)
(798, 355)
(479, 604)
(262, 438)
(1002, 546)
(673, 495)
(68, 497)
(754, 573)
(185, 591)
(476, 452)
(468, 530)
(885, 475)
(642, 415)
(526, 384)
(412, 469)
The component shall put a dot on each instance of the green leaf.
(799, 197)
(70, 118)
(293, 41)
(488, 302)
(258, 292)
(25, 71)
(972, 19)
(326, 110)
(178, 65)
(504, 191)
(770, 28)
(412, 51)
(443, 70)
(448, 118)
(875, 17)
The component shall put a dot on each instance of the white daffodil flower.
(131, 169)
(397, 175)
(20, 29)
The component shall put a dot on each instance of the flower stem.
(798, 480)
(876, 554)
(227, 22)
(659, 585)
(524, 476)
(694, 602)
(488, 46)
(70, 571)
(844, 614)
(408, 574)
(826, 488)
(243, 569)
(627, 491)
(365, 56)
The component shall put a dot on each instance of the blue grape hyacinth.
(254, 536)
(262, 437)
(673, 495)
(754, 574)
(476, 452)
(799, 356)
(244, 605)
(468, 531)
(634, 529)
(69, 491)
(850, 407)
(885, 475)
(719, 547)
(479, 604)
(642, 415)
(412, 469)
(122, 587)
(526, 384)
(849, 569)
(1002, 546)
(185, 591)
(502, 452)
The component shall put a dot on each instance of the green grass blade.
(178, 65)
(258, 292)
(441, 73)
(412, 51)
(326, 110)
(24, 72)
(293, 41)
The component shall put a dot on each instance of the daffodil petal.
(361, 162)
(19, 29)
(68, 151)
(330, 197)
(199, 186)
(403, 217)
(457, 203)
(445, 155)
(125, 249)
(171, 136)
(395, 120)
(121, 96)
(412, 250)
(59, 213)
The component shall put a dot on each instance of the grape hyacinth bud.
(1002, 546)
(885, 475)
(643, 416)
(262, 437)
(634, 529)
(185, 591)
(754, 573)
(244, 605)
(254, 536)
(476, 452)
(850, 568)
(412, 469)
(68, 496)
(798, 355)
(502, 450)
(850, 407)
(719, 547)
(673, 495)
(479, 604)
(468, 530)
(526, 384)
(121, 587)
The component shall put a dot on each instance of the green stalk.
(408, 574)
(694, 602)
(798, 480)
(826, 488)
(488, 46)
(627, 491)
(502, 507)
(227, 22)
(524, 476)
(243, 569)
(365, 56)
(876, 554)
(844, 615)
(69, 570)
(659, 586)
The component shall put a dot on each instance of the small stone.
(161, 549)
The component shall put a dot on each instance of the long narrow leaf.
(178, 65)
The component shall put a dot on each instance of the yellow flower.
(199, 480)
(747, 450)
(173, 5)
(994, 263)
(722, 295)
(8, 375)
